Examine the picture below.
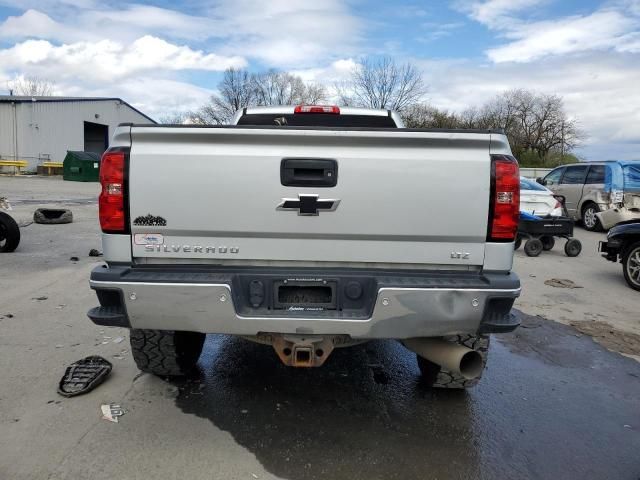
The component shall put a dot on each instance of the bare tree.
(314, 94)
(425, 116)
(174, 118)
(239, 89)
(31, 86)
(536, 124)
(236, 90)
(283, 88)
(342, 90)
(383, 83)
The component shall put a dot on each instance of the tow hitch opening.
(303, 357)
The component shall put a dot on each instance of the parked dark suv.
(623, 245)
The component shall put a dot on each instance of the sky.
(165, 57)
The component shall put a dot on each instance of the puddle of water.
(550, 405)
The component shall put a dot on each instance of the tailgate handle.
(309, 172)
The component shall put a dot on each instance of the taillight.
(331, 109)
(504, 207)
(111, 201)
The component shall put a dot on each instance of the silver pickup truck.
(309, 228)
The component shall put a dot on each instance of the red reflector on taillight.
(331, 109)
(111, 201)
(504, 208)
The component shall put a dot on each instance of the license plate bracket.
(314, 295)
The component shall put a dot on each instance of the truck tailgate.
(405, 197)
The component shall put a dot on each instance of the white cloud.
(600, 90)
(279, 33)
(496, 13)
(48, 4)
(152, 95)
(144, 53)
(107, 60)
(126, 24)
(436, 30)
(288, 33)
(30, 21)
(336, 71)
(608, 29)
(614, 26)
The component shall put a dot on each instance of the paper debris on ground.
(111, 412)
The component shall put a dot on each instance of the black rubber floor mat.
(83, 376)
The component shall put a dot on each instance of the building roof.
(29, 99)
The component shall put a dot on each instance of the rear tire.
(631, 266)
(435, 376)
(547, 242)
(9, 233)
(533, 247)
(589, 220)
(166, 353)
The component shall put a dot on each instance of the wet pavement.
(552, 404)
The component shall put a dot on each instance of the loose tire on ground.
(573, 247)
(589, 220)
(166, 353)
(435, 376)
(52, 216)
(533, 247)
(547, 242)
(631, 266)
(9, 233)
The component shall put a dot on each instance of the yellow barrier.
(50, 165)
(17, 164)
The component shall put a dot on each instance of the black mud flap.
(83, 376)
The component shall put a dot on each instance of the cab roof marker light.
(329, 109)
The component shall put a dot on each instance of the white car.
(537, 199)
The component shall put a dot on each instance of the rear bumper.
(611, 217)
(402, 304)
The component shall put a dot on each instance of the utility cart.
(539, 233)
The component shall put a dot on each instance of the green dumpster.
(81, 167)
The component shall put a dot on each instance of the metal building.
(38, 129)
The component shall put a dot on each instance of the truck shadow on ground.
(547, 399)
(364, 414)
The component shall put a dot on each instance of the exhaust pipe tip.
(471, 365)
(451, 356)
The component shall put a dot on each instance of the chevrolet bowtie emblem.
(309, 205)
